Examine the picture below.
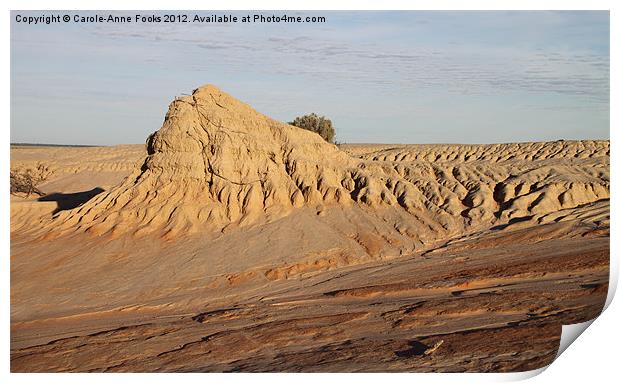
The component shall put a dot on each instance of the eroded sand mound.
(357, 258)
(485, 183)
(216, 163)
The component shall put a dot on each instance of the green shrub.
(317, 124)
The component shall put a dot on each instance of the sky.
(381, 77)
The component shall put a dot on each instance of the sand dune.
(216, 163)
(229, 227)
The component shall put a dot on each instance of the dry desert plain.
(234, 242)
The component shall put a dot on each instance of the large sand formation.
(350, 258)
(217, 162)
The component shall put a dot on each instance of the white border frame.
(593, 355)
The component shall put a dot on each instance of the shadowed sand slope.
(234, 242)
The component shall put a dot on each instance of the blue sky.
(385, 77)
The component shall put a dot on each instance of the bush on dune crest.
(318, 124)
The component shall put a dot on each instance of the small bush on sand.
(26, 180)
(317, 124)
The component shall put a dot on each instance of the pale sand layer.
(337, 258)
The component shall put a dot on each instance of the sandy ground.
(356, 258)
